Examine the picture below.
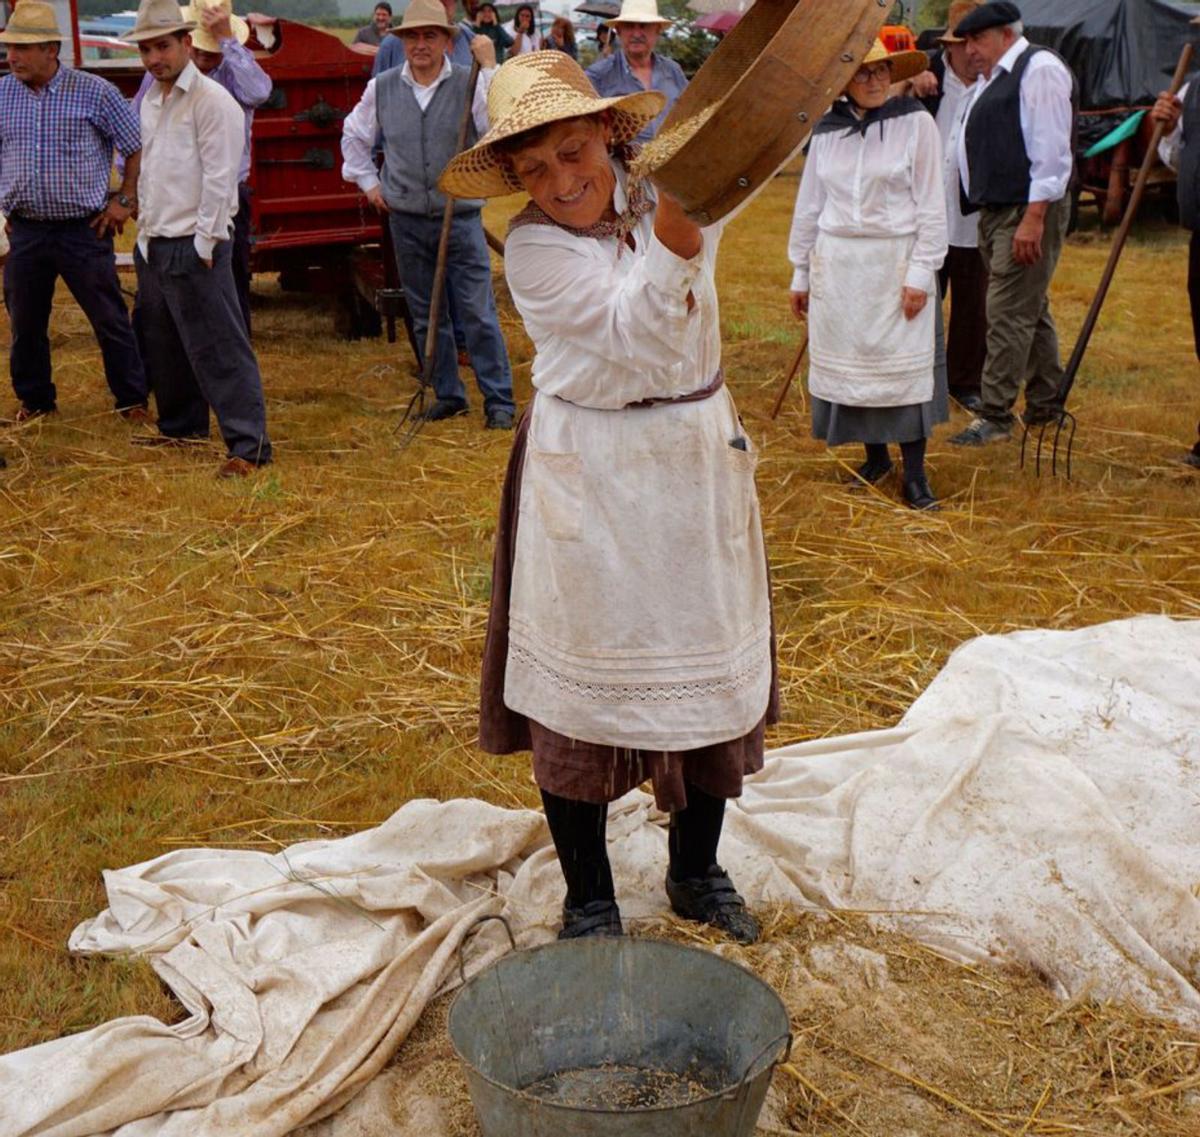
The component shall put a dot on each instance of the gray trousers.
(1022, 341)
(195, 348)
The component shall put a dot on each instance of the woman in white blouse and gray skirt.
(629, 637)
(868, 237)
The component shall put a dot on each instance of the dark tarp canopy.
(1123, 51)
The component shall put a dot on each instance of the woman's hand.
(800, 305)
(675, 229)
(913, 301)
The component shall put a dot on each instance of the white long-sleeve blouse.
(867, 186)
(639, 613)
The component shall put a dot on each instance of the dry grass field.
(185, 661)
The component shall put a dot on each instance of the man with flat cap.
(58, 129)
(1180, 150)
(1016, 159)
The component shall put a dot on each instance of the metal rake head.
(1063, 423)
(413, 418)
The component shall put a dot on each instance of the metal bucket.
(618, 1037)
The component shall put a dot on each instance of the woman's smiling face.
(567, 171)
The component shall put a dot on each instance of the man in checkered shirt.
(58, 128)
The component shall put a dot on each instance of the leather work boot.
(712, 899)
(236, 468)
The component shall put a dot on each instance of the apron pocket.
(740, 492)
(557, 484)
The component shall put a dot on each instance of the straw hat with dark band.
(959, 11)
(32, 22)
(157, 18)
(905, 64)
(426, 14)
(533, 90)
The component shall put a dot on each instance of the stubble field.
(185, 661)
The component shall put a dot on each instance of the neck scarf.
(637, 205)
(841, 116)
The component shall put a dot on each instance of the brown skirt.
(589, 771)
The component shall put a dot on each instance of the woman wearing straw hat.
(868, 237)
(630, 634)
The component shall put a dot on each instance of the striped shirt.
(56, 144)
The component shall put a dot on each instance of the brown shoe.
(140, 413)
(236, 468)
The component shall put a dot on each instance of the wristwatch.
(123, 201)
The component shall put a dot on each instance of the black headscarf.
(841, 116)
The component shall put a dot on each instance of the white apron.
(862, 351)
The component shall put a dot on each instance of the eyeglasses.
(882, 71)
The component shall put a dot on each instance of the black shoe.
(1191, 458)
(443, 408)
(499, 419)
(712, 899)
(970, 401)
(596, 918)
(918, 495)
(1035, 417)
(3, 461)
(869, 473)
(982, 432)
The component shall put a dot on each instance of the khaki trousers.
(1022, 342)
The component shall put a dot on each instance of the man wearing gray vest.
(1015, 159)
(1180, 150)
(415, 111)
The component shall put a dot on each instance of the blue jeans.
(42, 251)
(469, 281)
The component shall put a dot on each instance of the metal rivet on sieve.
(743, 182)
(847, 57)
(802, 116)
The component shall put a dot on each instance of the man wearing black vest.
(1015, 159)
(1180, 150)
(415, 111)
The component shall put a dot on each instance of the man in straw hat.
(1180, 151)
(218, 51)
(629, 636)
(637, 66)
(945, 90)
(194, 340)
(415, 112)
(391, 50)
(58, 130)
(1015, 160)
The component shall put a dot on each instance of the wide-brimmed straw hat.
(158, 18)
(905, 64)
(32, 22)
(638, 12)
(202, 38)
(425, 14)
(532, 90)
(958, 11)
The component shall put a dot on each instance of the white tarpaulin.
(1040, 801)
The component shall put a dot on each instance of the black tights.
(578, 829)
(912, 453)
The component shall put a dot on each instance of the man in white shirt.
(1180, 151)
(415, 113)
(1015, 160)
(193, 337)
(945, 90)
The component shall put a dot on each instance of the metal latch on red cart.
(320, 114)
(315, 159)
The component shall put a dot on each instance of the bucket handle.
(742, 1090)
(462, 969)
